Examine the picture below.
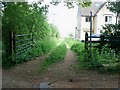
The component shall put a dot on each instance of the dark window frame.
(87, 19)
(106, 18)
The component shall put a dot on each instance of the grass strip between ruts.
(55, 56)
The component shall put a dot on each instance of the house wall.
(78, 23)
(100, 19)
(98, 22)
(85, 27)
(95, 24)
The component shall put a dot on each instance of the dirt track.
(59, 75)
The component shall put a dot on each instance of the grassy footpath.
(71, 41)
(55, 56)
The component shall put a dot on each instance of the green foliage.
(54, 31)
(111, 28)
(114, 35)
(78, 47)
(86, 3)
(114, 29)
(55, 56)
(110, 60)
(70, 3)
(71, 41)
(114, 6)
(105, 61)
(24, 18)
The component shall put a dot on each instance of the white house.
(100, 16)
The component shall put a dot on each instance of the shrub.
(98, 60)
(78, 47)
(114, 35)
(28, 18)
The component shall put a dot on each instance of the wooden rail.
(20, 43)
(102, 40)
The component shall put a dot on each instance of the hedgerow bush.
(24, 18)
(55, 56)
(78, 47)
(113, 30)
(105, 61)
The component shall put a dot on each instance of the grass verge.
(55, 56)
(71, 41)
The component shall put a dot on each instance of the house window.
(87, 19)
(108, 19)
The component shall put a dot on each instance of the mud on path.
(59, 75)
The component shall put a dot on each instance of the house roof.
(95, 8)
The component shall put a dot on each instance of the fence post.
(14, 44)
(101, 41)
(32, 39)
(86, 40)
(10, 42)
(90, 30)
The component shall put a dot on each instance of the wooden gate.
(102, 40)
(113, 41)
(20, 43)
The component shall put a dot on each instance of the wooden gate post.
(14, 44)
(32, 39)
(90, 30)
(11, 44)
(86, 41)
(101, 41)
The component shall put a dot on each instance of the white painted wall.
(98, 22)
(101, 18)
(78, 23)
(85, 26)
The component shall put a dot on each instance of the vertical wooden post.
(90, 30)
(10, 43)
(101, 41)
(91, 35)
(32, 38)
(86, 41)
(14, 44)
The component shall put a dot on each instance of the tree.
(114, 30)
(71, 3)
(23, 18)
(115, 7)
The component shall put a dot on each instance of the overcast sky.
(63, 18)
